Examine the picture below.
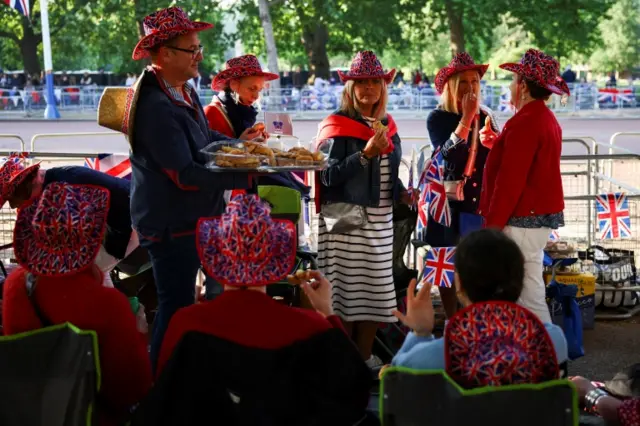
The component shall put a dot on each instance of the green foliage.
(620, 48)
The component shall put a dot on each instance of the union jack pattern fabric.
(163, 25)
(22, 6)
(540, 68)
(554, 236)
(13, 172)
(438, 267)
(242, 66)
(366, 65)
(116, 165)
(61, 232)
(615, 96)
(460, 62)
(245, 246)
(437, 196)
(613, 216)
(505, 100)
(498, 343)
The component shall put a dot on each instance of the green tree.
(620, 47)
(318, 29)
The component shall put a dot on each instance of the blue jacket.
(347, 180)
(171, 187)
(119, 216)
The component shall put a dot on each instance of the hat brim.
(117, 106)
(223, 266)
(473, 329)
(220, 80)
(517, 68)
(149, 41)
(10, 188)
(45, 260)
(387, 77)
(447, 72)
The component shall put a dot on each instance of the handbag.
(455, 188)
(343, 217)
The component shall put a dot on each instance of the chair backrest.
(286, 203)
(411, 397)
(49, 376)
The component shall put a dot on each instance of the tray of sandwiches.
(272, 156)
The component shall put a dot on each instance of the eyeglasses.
(194, 52)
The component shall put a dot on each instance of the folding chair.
(410, 398)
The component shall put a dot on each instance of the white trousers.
(106, 262)
(532, 242)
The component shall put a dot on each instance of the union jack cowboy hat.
(242, 66)
(61, 232)
(460, 62)
(164, 25)
(497, 343)
(12, 173)
(540, 68)
(366, 65)
(245, 246)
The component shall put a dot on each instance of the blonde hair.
(349, 104)
(449, 98)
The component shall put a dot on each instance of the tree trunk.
(29, 48)
(272, 49)
(315, 45)
(456, 28)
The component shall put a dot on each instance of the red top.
(522, 173)
(82, 300)
(248, 318)
(218, 120)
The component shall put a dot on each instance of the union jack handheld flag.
(116, 165)
(613, 216)
(555, 235)
(438, 203)
(22, 6)
(410, 186)
(438, 267)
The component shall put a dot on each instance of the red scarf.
(341, 126)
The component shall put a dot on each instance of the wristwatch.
(363, 159)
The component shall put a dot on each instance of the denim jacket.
(348, 180)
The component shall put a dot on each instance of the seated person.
(20, 184)
(56, 240)
(245, 250)
(614, 410)
(489, 278)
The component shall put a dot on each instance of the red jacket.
(218, 119)
(83, 301)
(522, 173)
(248, 318)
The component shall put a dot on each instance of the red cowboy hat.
(540, 68)
(61, 233)
(245, 246)
(163, 25)
(366, 65)
(498, 343)
(12, 173)
(461, 62)
(242, 66)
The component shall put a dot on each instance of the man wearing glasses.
(171, 188)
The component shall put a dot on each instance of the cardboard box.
(586, 298)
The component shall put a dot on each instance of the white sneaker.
(374, 362)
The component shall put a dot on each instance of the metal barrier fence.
(300, 101)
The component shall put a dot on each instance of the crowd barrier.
(584, 97)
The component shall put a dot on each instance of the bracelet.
(592, 398)
(464, 126)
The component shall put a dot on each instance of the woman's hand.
(420, 316)
(487, 135)
(141, 320)
(318, 292)
(376, 144)
(470, 105)
(584, 386)
(250, 134)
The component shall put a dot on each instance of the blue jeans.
(175, 265)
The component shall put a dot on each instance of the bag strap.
(30, 283)
(473, 149)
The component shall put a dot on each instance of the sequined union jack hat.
(61, 233)
(12, 173)
(245, 246)
(498, 343)
(242, 66)
(461, 62)
(365, 65)
(164, 25)
(540, 68)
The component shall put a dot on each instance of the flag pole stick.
(51, 112)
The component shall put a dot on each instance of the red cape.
(341, 126)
